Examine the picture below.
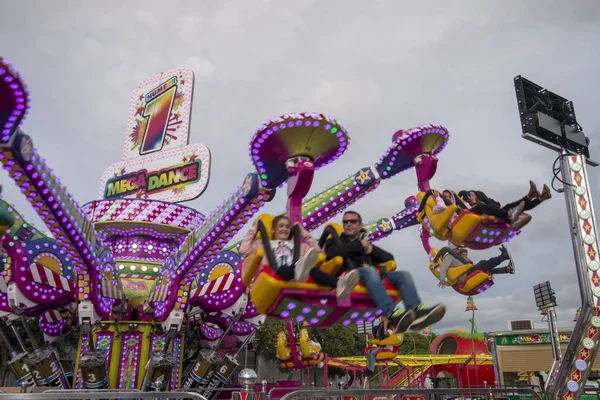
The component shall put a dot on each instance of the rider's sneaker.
(510, 268)
(427, 316)
(305, 264)
(504, 252)
(347, 283)
(401, 320)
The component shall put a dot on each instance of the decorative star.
(184, 158)
(568, 396)
(140, 110)
(247, 184)
(591, 252)
(384, 225)
(122, 171)
(363, 176)
(193, 157)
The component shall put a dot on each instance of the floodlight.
(544, 296)
(549, 120)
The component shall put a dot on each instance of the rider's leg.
(344, 285)
(372, 281)
(489, 264)
(377, 292)
(424, 316)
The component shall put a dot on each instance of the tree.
(336, 340)
(415, 344)
(265, 339)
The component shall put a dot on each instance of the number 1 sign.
(159, 113)
(158, 161)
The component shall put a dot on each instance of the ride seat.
(252, 260)
(439, 222)
(453, 273)
(474, 280)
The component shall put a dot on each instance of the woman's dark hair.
(457, 199)
(276, 221)
(464, 195)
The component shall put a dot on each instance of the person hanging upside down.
(533, 198)
(453, 257)
(360, 259)
(510, 216)
(283, 249)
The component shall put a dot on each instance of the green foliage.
(467, 334)
(265, 339)
(336, 340)
(415, 344)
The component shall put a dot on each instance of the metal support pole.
(19, 338)
(494, 350)
(554, 339)
(11, 349)
(568, 380)
(29, 333)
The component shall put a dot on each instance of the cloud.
(377, 69)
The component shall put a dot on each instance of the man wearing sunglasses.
(362, 256)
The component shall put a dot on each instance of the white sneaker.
(347, 283)
(305, 264)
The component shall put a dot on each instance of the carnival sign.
(159, 113)
(541, 338)
(176, 175)
(158, 161)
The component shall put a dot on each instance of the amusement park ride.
(140, 273)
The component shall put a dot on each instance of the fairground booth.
(525, 356)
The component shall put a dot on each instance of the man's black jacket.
(353, 250)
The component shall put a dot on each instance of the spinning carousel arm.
(57, 208)
(205, 242)
(384, 227)
(415, 147)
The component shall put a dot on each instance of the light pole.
(472, 307)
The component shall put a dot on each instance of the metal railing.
(358, 394)
(101, 394)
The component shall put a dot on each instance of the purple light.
(346, 322)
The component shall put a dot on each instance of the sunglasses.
(350, 221)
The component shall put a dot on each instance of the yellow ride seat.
(473, 281)
(452, 274)
(439, 222)
(283, 350)
(308, 348)
(393, 340)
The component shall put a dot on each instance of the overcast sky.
(377, 66)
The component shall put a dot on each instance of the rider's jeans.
(402, 280)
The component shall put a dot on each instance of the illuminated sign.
(146, 183)
(175, 175)
(541, 338)
(159, 113)
(158, 161)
